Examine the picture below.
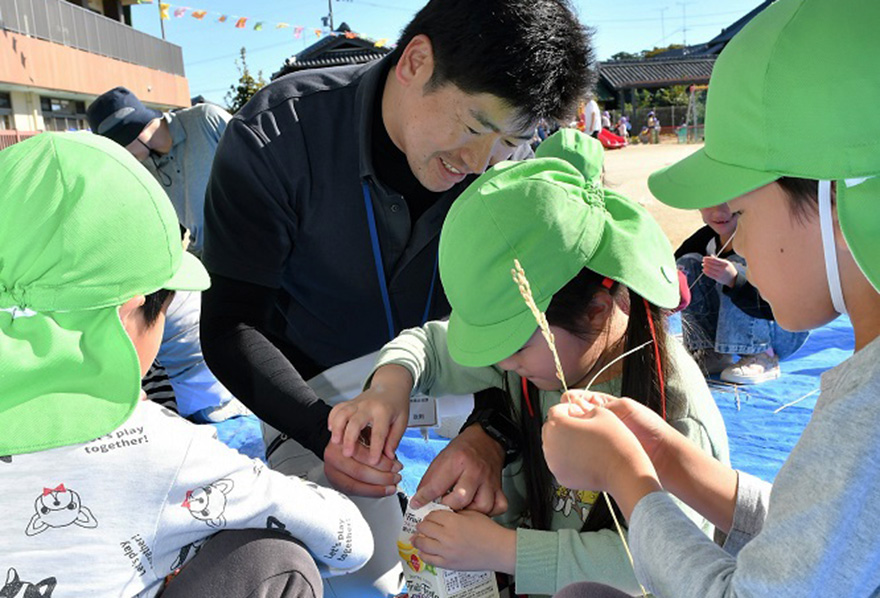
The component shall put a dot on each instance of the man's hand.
(467, 474)
(352, 475)
(719, 270)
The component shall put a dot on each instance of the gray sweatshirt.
(813, 533)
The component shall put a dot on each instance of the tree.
(238, 95)
(627, 56)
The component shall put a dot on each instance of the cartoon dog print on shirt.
(59, 507)
(15, 588)
(208, 503)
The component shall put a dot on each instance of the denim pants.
(712, 321)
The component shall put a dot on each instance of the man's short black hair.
(534, 54)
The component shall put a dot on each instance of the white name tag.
(422, 411)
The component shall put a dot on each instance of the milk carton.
(426, 581)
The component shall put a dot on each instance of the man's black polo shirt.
(285, 208)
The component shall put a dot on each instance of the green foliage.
(677, 95)
(627, 56)
(238, 95)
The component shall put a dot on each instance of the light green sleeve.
(423, 352)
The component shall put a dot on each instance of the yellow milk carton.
(426, 581)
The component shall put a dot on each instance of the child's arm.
(624, 443)
(383, 407)
(219, 489)
(417, 357)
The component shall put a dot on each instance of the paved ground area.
(627, 170)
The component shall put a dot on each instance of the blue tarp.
(760, 440)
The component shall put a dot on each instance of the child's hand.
(647, 425)
(592, 449)
(383, 408)
(466, 541)
(719, 270)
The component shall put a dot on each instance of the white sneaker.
(752, 369)
(711, 362)
(221, 413)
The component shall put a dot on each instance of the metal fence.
(67, 24)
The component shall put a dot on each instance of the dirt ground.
(627, 170)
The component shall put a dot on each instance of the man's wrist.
(499, 428)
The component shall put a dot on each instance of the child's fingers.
(337, 421)
(352, 436)
(398, 429)
(378, 438)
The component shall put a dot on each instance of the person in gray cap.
(178, 149)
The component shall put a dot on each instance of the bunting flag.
(241, 22)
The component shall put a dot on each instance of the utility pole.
(662, 23)
(330, 6)
(684, 22)
(161, 22)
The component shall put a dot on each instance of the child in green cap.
(603, 271)
(105, 494)
(808, 202)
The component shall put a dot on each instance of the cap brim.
(860, 224)
(698, 181)
(480, 346)
(191, 276)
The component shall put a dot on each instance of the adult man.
(326, 199)
(178, 149)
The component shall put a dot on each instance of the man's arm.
(234, 315)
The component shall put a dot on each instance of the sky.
(210, 48)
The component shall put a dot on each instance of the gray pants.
(589, 590)
(250, 563)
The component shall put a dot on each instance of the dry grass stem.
(796, 401)
(519, 277)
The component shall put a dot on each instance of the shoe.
(221, 413)
(711, 362)
(752, 369)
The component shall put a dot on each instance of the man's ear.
(416, 64)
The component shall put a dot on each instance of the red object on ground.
(610, 140)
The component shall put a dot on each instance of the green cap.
(553, 215)
(84, 229)
(768, 115)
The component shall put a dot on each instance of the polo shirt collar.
(178, 133)
(365, 99)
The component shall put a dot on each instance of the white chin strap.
(829, 246)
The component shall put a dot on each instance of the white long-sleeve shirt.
(114, 516)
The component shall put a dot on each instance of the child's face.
(784, 257)
(720, 219)
(535, 361)
(146, 338)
